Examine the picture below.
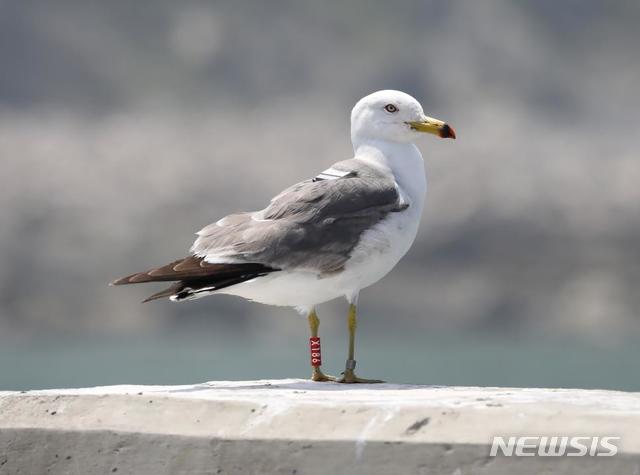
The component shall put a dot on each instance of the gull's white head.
(393, 116)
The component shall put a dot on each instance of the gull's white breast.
(378, 251)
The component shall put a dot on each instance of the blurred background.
(127, 126)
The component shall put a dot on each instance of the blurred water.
(437, 359)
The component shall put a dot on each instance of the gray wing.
(313, 225)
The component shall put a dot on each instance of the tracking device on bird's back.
(316, 352)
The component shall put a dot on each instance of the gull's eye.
(391, 108)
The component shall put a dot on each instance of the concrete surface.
(300, 427)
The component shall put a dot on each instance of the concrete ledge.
(299, 427)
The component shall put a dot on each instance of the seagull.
(323, 238)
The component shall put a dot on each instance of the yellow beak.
(433, 126)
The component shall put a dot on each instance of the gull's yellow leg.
(349, 375)
(314, 323)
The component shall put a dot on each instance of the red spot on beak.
(447, 132)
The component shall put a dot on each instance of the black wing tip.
(124, 280)
(188, 288)
(168, 292)
(151, 299)
(121, 281)
(136, 278)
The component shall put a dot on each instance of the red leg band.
(316, 353)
